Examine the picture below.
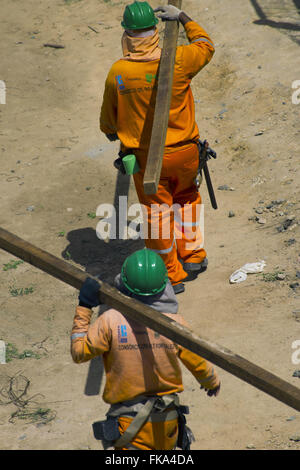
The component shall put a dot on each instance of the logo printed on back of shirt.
(122, 333)
(149, 77)
(120, 83)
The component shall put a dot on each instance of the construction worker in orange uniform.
(127, 114)
(143, 375)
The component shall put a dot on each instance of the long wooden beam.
(162, 106)
(222, 357)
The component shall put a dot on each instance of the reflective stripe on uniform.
(165, 251)
(186, 224)
(77, 335)
(203, 40)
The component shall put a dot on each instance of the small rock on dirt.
(279, 201)
(285, 225)
(250, 446)
(296, 314)
(259, 210)
(291, 418)
(290, 241)
(295, 437)
(225, 187)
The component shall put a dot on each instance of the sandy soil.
(56, 168)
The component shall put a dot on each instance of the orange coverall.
(137, 361)
(128, 110)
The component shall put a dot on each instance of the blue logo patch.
(120, 83)
(122, 333)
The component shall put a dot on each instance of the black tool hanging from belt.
(205, 154)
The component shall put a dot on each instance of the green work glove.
(169, 13)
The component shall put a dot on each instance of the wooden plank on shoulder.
(162, 106)
(222, 357)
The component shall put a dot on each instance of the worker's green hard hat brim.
(134, 27)
(139, 15)
(144, 273)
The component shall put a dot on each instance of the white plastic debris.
(249, 268)
(2, 352)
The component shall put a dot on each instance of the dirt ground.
(56, 169)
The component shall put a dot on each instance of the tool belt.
(143, 409)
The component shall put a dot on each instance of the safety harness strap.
(136, 424)
(159, 404)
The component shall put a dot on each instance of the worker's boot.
(178, 288)
(196, 268)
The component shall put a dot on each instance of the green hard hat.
(139, 15)
(144, 273)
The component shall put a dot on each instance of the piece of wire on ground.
(13, 390)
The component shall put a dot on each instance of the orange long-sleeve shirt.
(130, 91)
(137, 360)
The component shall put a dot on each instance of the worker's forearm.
(193, 30)
(184, 18)
(80, 327)
(201, 369)
(88, 340)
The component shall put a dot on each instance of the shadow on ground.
(102, 259)
(287, 20)
(98, 257)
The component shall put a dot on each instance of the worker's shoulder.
(123, 65)
(111, 315)
(116, 68)
(129, 69)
